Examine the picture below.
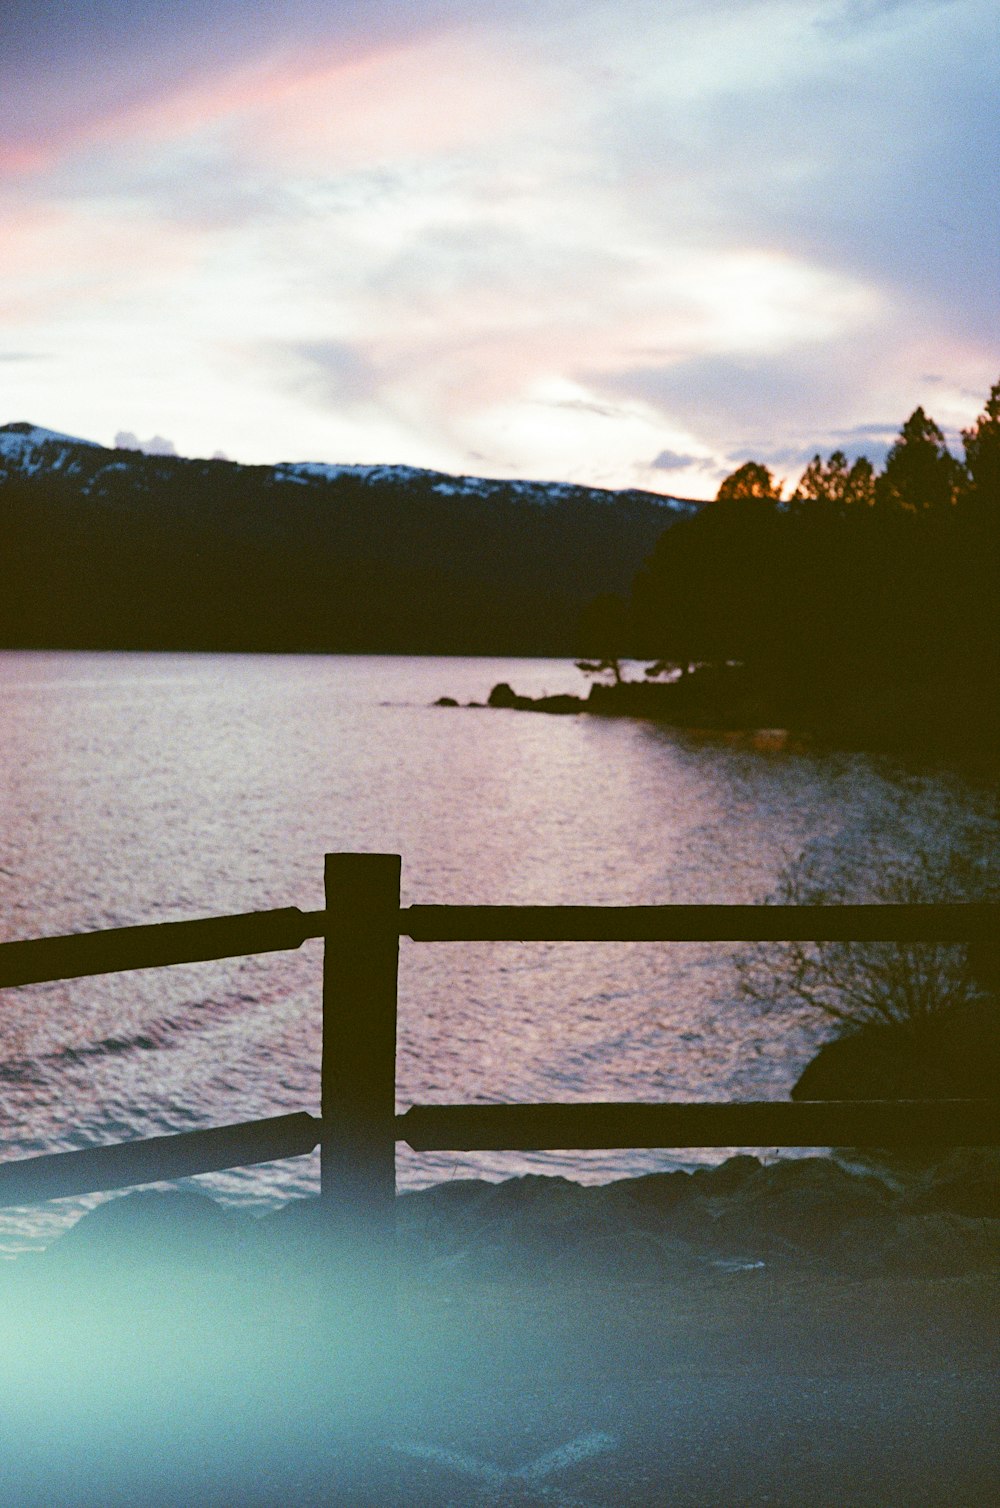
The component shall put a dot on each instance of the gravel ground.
(519, 1362)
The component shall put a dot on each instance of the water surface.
(140, 788)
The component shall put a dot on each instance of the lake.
(143, 788)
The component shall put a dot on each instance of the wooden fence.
(358, 1128)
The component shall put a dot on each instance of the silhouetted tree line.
(864, 604)
(150, 552)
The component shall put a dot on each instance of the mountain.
(117, 549)
(26, 449)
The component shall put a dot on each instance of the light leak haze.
(628, 244)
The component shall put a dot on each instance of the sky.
(626, 243)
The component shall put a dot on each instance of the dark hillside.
(115, 549)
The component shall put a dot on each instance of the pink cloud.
(436, 94)
(62, 92)
(342, 106)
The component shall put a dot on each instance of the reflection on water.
(143, 788)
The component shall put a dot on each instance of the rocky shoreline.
(728, 701)
(717, 697)
(850, 1212)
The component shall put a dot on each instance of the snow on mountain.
(446, 485)
(34, 434)
(28, 448)
(322, 471)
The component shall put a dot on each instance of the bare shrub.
(862, 984)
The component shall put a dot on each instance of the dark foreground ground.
(785, 1335)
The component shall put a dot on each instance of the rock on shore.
(949, 1054)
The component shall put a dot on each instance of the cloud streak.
(80, 70)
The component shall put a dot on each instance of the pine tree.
(982, 451)
(835, 482)
(920, 472)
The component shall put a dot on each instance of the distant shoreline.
(724, 703)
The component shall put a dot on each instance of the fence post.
(358, 1098)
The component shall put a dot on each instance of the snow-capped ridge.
(29, 448)
(22, 432)
(448, 485)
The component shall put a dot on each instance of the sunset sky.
(628, 243)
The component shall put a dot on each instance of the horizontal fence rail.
(945, 923)
(182, 1154)
(749, 1123)
(117, 950)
